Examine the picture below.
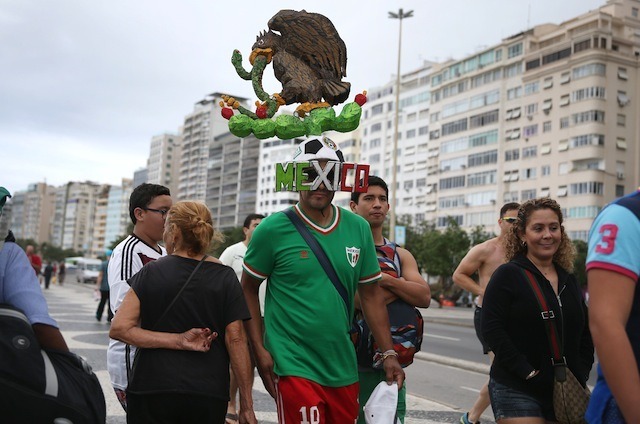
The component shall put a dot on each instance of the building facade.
(548, 112)
(164, 161)
(32, 210)
(117, 212)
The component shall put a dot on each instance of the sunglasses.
(312, 174)
(162, 212)
(509, 219)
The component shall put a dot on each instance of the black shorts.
(477, 323)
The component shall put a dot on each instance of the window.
(374, 158)
(376, 127)
(481, 178)
(582, 45)
(451, 182)
(563, 168)
(514, 93)
(531, 109)
(454, 127)
(591, 187)
(563, 145)
(375, 142)
(590, 69)
(564, 100)
(548, 83)
(483, 119)
(531, 88)
(513, 154)
(483, 158)
(514, 50)
(565, 77)
(546, 105)
(634, 12)
(621, 144)
(623, 99)
(377, 109)
(546, 126)
(564, 122)
(411, 133)
(545, 170)
(622, 74)
(412, 117)
(588, 116)
(586, 140)
(530, 130)
(529, 173)
(621, 120)
(422, 131)
(588, 93)
(530, 152)
(562, 191)
(528, 194)
(545, 149)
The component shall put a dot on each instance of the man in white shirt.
(233, 256)
(148, 206)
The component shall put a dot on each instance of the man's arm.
(472, 261)
(236, 342)
(411, 287)
(375, 313)
(49, 337)
(610, 302)
(253, 326)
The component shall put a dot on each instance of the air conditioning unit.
(620, 175)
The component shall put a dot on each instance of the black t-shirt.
(212, 299)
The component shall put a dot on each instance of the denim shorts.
(511, 403)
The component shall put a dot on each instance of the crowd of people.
(188, 329)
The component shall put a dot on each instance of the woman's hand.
(197, 339)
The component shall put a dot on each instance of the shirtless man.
(483, 259)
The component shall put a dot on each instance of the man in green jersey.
(307, 361)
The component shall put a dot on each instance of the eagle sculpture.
(309, 59)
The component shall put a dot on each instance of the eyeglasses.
(509, 219)
(162, 212)
(312, 174)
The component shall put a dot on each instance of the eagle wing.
(313, 38)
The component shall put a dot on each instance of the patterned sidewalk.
(72, 305)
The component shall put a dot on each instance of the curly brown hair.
(566, 252)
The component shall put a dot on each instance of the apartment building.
(74, 215)
(551, 111)
(377, 127)
(198, 132)
(31, 212)
(274, 151)
(164, 161)
(232, 178)
(117, 212)
(100, 222)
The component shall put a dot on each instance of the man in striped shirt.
(148, 206)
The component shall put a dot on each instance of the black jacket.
(513, 327)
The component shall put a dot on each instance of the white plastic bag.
(382, 404)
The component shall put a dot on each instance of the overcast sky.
(84, 85)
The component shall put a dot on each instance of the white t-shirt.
(129, 256)
(233, 256)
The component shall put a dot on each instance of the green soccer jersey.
(307, 323)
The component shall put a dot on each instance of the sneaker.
(465, 419)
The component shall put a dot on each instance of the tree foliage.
(231, 236)
(47, 251)
(579, 263)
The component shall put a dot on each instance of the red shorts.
(302, 401)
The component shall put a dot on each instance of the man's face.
(153, 216)
(248, 232)
(317, 199)
(29, 250)
(372, 205)
(507, 221)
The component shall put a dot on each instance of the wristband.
(389, 353)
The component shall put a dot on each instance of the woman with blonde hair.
(185, 313)
(540, 255)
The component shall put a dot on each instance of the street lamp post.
(393, 202)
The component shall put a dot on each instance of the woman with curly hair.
(521, 378)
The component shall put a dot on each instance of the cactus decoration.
(309, 59)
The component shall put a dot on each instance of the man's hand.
(264, 362)
(393, 371)
(197, 339)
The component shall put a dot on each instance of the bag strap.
(184, 286)
(320, 254)
(548, 317)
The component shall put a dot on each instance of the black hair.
(373, 180)
(251, 217)
(508, 207)
(143, 195)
